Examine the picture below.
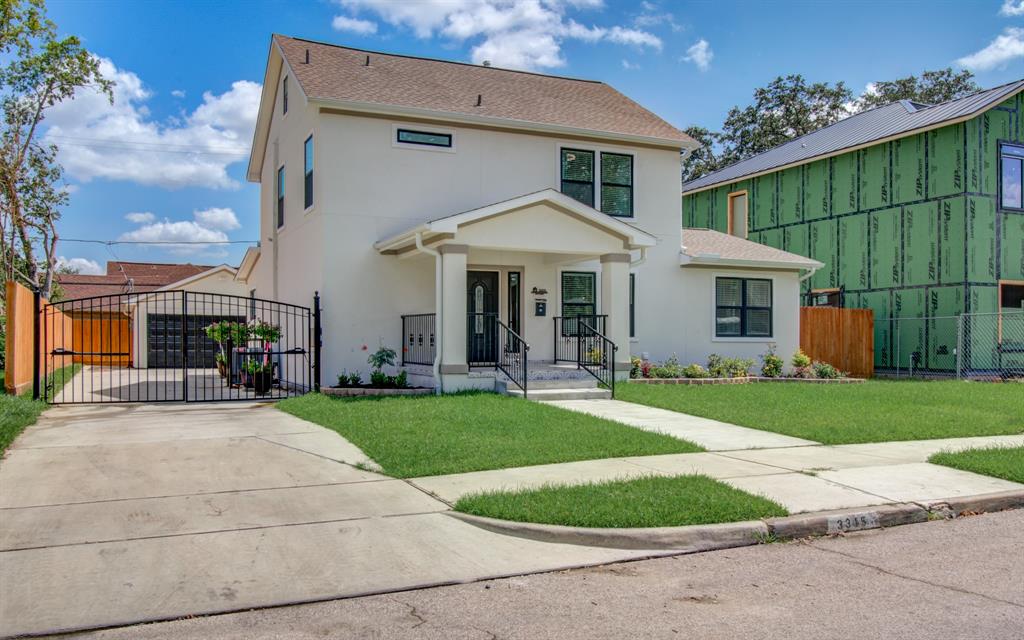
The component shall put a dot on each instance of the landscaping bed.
(644, 502)
(1000, 462)
(874, 411)
(720, 370)
(474, 431)
(744, 380)
(348, 392)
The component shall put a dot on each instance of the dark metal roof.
(898, 118)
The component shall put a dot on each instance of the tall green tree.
(931, 87)
(705, 158)
(41, 70)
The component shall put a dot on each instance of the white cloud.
(80, 265)
(652, 17)
(355, 25)
(218, 218)
(629, 66)
(518, 34)
(208, 226)
(1007, 46)
(143, 217)
(700, 54)
(178, 93)
(1012, 8)
(123, 142)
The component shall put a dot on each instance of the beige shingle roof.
(340, 73)
(705, 246)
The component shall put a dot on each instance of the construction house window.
(632, 305)
(737, 224)
(284, 96)
(743, 308)
(280, 197)
(579, 299)
(1011, 316)
(578, 175)
(425, 138)
(307, 180)
(826, 298)
(1011, 160)
(617, 184)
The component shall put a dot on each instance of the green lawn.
(644, 502)
(432, 435)
(1002, 462)
(875, 411)
(18, 412)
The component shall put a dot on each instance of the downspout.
(641, 260)
(438, 313)
(806, 276)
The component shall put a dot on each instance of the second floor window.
(1011, 159)
(284, 96)
(307, 181)
(617, 184)
(280, 197)
(578, 175)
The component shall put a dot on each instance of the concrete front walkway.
(117, 514)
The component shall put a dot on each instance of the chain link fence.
(982, 346)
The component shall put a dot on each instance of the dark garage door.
(164, 340)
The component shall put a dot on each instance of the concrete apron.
(114, 515)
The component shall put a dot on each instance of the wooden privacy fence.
(844, 338)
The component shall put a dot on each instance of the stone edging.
(696, 538)
(746, 380)
(347, 392)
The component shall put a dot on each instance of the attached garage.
(163, 338)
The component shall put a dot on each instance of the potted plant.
(260, 375)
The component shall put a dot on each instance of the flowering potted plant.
(260, 375)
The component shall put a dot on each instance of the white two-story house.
(458, 213)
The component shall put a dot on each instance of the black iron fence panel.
(513, 354)
(567, 333)
(174, 346)
(419, 338)
(595, 353)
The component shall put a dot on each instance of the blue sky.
(167, 160)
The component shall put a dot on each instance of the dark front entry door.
(482, 316)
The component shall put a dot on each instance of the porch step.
(544, 395)
(503, 384)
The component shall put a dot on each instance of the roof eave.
(508, 123)
(686, 260)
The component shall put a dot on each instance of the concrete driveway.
(116, 514)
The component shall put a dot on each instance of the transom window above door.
(613, 193)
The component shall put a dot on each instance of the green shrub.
(635, 370)
(716, 367)
(772, 367)
(402, 379)
(355, 379)
(825, 371)
(800, 360)
(694, 371)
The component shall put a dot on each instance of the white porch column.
(615, 303)
(453, 331)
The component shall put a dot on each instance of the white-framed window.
(600, 179)
(1011, 182)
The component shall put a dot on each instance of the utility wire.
(115, 242)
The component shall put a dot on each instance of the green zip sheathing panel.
(886, 243)
(983, 334)
(853, 251)
(920, 244)
(908, 158)
(816, 188)
(908, 226)
(791, 195)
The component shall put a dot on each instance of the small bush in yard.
(772, 367)
(801, 365)
(694, 371)
(635, 367)
(402, 379)
(825, 371)
(719, 367)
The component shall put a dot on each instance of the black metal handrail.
(595, 354)
(513, 354)
(566, 332)
(419, 344)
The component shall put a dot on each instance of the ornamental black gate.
(176, 346)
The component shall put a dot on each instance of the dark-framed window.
(425, 138)
(1011, 183)
(307, 167)
(280, 197)
(632, 305)
(579, 299)
(284, 96)
(514, 294)
(617, 184)
(577, 174)
(743, 308)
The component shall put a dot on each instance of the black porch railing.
(567, 332)
(512, 356)
(418, 339)
(595, 353)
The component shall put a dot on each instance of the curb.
(697, 538)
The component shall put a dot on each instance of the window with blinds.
(617, 184)
(743, 308)
(578, 175)
(579, 293)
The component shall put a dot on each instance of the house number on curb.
(852, 522)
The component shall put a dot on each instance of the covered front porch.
(538, 282)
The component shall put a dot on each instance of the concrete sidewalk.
(117, 514)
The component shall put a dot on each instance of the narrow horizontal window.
(426, 138)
